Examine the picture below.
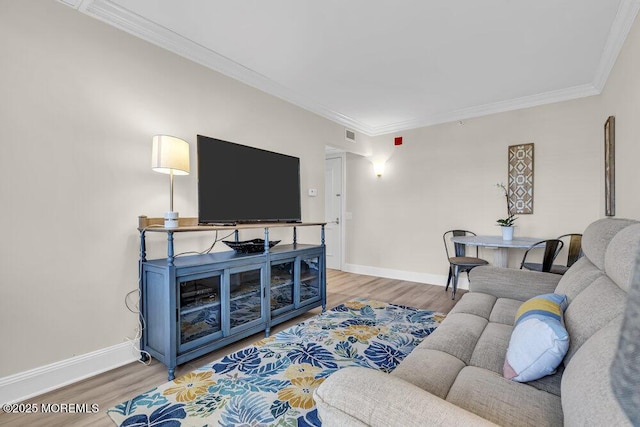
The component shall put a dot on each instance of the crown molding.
(493, 108)
(123, 19)
(620, 28)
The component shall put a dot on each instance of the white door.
(333, 212)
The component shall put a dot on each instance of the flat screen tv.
(241, 184)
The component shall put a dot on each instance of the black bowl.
(249, 246)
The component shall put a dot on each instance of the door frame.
(343, 196)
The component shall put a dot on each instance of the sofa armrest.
(358, 396)
(511, 283)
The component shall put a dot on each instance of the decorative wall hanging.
(610, 166)
(521, 178)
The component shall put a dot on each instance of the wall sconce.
(170, 155)
(378, 169)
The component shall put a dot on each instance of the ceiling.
(381, 67)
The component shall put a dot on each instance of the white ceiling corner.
(72, 3)
(348, 74)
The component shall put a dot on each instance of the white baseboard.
(410, 276)
(27, 384)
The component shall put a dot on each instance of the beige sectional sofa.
(455, 376)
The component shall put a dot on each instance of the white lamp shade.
(170, 154)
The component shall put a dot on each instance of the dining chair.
(459, 262)
(573, 253)
(552, 248)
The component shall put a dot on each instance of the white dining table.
(501, 247)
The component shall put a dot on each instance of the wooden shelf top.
(191, 224)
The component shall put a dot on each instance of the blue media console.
(192, 305)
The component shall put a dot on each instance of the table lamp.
(170, 155)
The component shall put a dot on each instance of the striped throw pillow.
(539, 340)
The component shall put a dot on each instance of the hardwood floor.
(113, 387)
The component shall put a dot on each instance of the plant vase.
(507, 233)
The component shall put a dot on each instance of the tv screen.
(238, 184)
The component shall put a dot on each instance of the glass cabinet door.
(282, 284)
(245, 296)
(309, 279)
(199, 302)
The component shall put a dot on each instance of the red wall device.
(397, 140)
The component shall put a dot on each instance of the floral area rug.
(272, 381)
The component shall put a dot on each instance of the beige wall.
(621, 98)
(79, 102)
(444, 177)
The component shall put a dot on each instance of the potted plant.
(506, 224)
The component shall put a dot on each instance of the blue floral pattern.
(272, 381)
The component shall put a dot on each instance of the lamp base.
(171, 220)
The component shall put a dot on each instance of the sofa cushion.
(504, 402)
(457, 335)
(596, 237)
(511, 283)
(539, 340)
(475, 303)
(587, 397)
(625, 369)
(431, 370)
(581, 274)
(592, 309)
(504, 311)
(492, 347)
(621, 256)
(356, 396)
(499, 310)
(550, 383)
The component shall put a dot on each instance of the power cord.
(146, 359)
(209, 249)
